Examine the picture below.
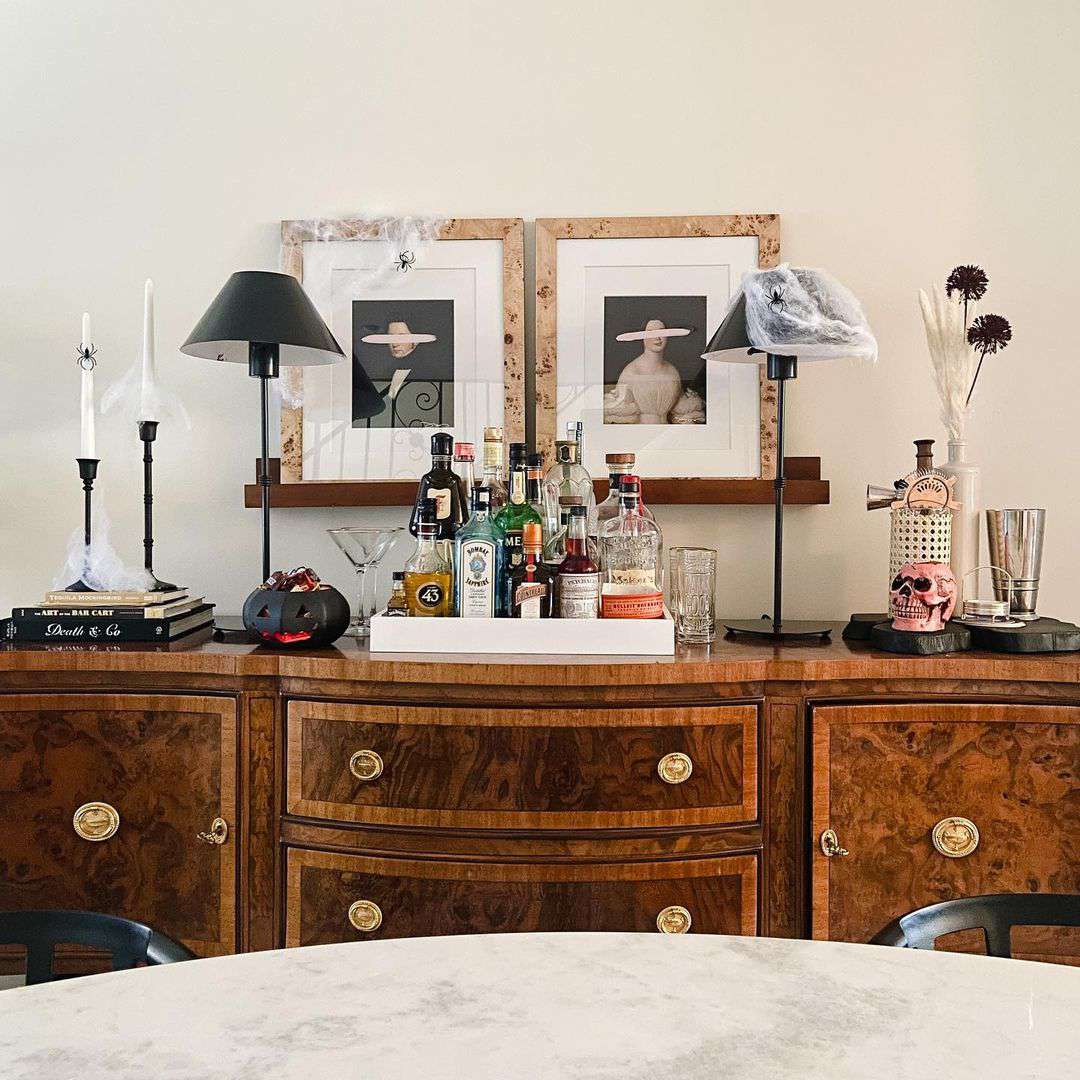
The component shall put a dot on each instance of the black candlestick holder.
(88, 474)
(148, 433)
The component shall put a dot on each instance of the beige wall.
(895, 140)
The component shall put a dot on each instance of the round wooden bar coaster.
(954, 638)
(1040, 636)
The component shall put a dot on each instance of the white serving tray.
(570, 637)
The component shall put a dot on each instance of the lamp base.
(789, 630)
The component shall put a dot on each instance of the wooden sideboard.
(241, 798)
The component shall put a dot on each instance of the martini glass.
(364, 548)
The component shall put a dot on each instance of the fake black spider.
(86, 357)
(405, 260)
(776, 299)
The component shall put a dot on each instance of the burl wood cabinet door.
(333, 897)
(102, 798)
(1001, 783)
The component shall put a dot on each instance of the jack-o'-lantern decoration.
(296, 610)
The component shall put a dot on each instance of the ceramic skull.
(922, 596)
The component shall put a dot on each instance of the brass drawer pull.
(955, 837)
(830, 845)
(218, 834)
(365, 915)
(96, 821)
(675, 768)
(673, 920)
(366, 765)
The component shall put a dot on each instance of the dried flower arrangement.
(957, 348)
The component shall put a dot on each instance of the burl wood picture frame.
(764, 229)
(385, 490)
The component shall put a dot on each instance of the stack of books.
(110, 616)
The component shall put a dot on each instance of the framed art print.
(435, 331)
(624, 309)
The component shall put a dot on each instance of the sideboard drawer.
(332, 897)
(522, 768)
(103, 797)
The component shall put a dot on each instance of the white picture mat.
(728, 444)
(468, 272)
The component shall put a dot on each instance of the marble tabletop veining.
(567, 1006)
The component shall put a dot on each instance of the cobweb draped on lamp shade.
(792, 311)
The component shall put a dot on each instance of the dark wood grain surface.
(420, 899)
(166, 764)
(538, 768)
(884, 775)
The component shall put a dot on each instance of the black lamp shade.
(268, 308)
(731, 335)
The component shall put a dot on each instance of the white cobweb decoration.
(98, 565)
(134, 401)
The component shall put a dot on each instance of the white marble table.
(571, 1006)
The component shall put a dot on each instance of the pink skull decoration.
(922, 596)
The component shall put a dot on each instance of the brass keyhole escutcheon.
(96, 821)
(217, 834)
(955, 837)
(673, 920)
(365, 915)
(830, 845)
(675, 768)
(366, 765)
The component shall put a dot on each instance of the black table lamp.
(265, 320)
(778, 317)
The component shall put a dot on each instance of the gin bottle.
(630, 544)
(478, 562)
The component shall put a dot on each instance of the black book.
(78, 628)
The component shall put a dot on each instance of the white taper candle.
(87, 447)
(148, 395)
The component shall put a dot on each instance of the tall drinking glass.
(364, 548)
(693, 593)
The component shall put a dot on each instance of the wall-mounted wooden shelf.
(804, 487)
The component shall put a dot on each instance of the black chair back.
(995, 915)
(129, 943)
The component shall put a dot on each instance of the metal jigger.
(148, 433)
(88, 473)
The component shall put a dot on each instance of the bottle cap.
(532, 537)
(577, 511)
(535, 461)
(619, 459)
(493, 434)
(571, 500)
(481, 498)
(399, 575)
(464, 451)
(518, 453)
(630, 483)
(442, 443)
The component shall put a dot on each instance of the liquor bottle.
(443, 485)
(493, 467)
(630, 543)
(397, 604)
(534, 483)
(511, 519)
(566, 477)
(555, 548)
(464, 457)
(478, 562)
(531, 587)
(578, 580)
(428, 576)
(618, 466)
